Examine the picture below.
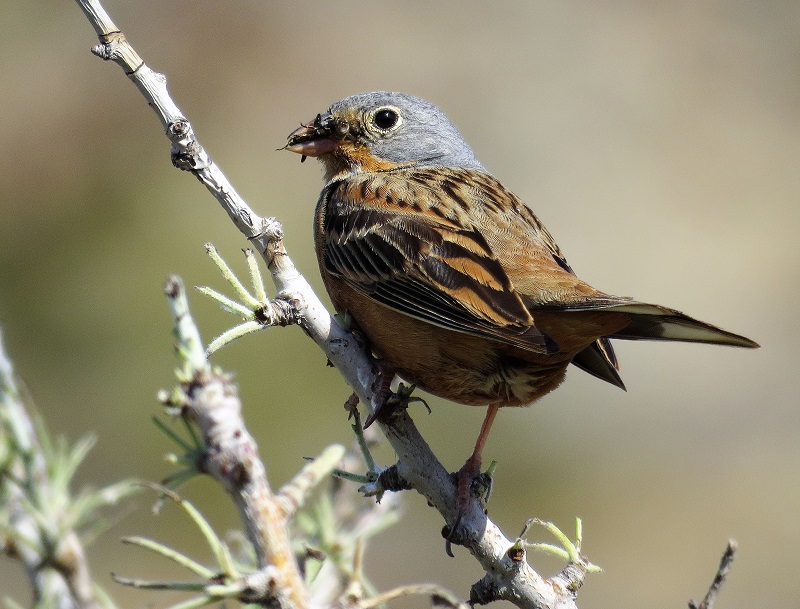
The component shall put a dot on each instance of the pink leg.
(471, 469)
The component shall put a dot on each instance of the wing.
(407, 239)
(541, 273)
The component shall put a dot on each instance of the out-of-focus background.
(660, 143)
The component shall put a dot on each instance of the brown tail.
(654, 322)
(598, 359)
(651, 322)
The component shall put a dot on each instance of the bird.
(456, 285)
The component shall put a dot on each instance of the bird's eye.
(385, 119)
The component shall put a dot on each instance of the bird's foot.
(388, 402)
(402, 398)
(471, 483)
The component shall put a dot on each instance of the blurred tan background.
(660, 143)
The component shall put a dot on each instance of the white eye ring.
(385, 119)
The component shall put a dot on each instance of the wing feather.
(392, 239)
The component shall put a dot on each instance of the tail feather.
(654, 322)
(599, 360)
(647, 322)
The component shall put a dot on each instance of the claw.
(394, 401)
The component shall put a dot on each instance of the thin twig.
(232, 457)
(719, 578)
(439, 596)
(417, 464)
(54, 561)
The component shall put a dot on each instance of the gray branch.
(719, 578)
(507, 577)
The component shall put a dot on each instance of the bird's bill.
(321, 136)
(308, 141)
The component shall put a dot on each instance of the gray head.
(382, 130)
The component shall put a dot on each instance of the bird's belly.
(459, 367)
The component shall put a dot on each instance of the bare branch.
(439, 596)
(231, 457)
(294, 494)
(417, 465)
(719, 578)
